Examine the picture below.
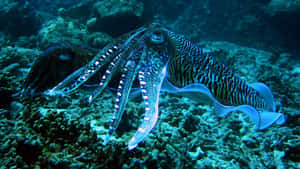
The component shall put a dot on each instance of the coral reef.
(277, 6)
(108, 15)
(64, 30)
(118, 8)
(12, 61)
(247, 22)
(113, 14)
(60, 134)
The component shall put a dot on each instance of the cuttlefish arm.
(150, 79)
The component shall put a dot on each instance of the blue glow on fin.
(196, 92)
(269, 118)
(266, 93)
(262, 119)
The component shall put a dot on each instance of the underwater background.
(258, 39)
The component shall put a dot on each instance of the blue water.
(44, 41)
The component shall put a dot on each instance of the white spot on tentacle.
(141, 130)
(90, 98)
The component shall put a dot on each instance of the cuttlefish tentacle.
(123, 91)
(125, 54)
(76, 79)
(150, 78)
(112, 68)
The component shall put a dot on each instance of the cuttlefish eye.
(157, 37)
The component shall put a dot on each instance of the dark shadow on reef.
(18, 19)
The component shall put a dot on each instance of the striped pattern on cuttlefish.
(161, 60)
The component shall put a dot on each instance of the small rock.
(91, 22)
(83, 139)
(15, 109)
(195, 155)
(53, 147)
